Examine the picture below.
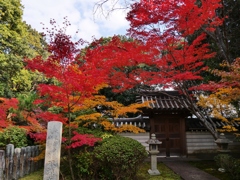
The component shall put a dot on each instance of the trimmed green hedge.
(118, 158)
(14, 135)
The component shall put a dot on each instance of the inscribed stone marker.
(53, 151)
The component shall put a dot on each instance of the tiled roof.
(194, 124)
(171, 102)
(164, 100)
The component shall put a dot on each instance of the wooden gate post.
(9, 161)
(16, 166)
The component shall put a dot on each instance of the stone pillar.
(53, 151)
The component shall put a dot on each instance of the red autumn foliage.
(160, 18)
(47, 116)
(32, 123)
(161, 52)
(169, 49)
(39, 137)
(5, 117)
(79, 140)
(64, 65)
(229, 77)
(74, 78)
(11, 115)
(171, 61)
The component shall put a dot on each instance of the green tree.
(225, 41)
(17, 41)
(227, 36)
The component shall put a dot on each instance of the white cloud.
(79, 13)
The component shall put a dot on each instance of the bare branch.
(106, 7)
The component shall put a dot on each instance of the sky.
(81, 15)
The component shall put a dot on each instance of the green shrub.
(84, 165)
(230, 164)
(223, 161)
(14, 135)
(82, 157)
(118, 158)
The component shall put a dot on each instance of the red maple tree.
(162, 53)
(72, 79)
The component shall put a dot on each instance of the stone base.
(154, 172)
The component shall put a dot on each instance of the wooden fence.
(17, 162)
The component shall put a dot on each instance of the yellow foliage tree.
(223, 103)
(220, 108)
(105, 117)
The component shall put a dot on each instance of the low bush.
(229, 164)
(113, 158)
(118, 158)
(14, 135)
(82, 156)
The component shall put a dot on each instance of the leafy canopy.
(18, 40)
(162, 54)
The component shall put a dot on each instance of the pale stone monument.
(53, 151)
